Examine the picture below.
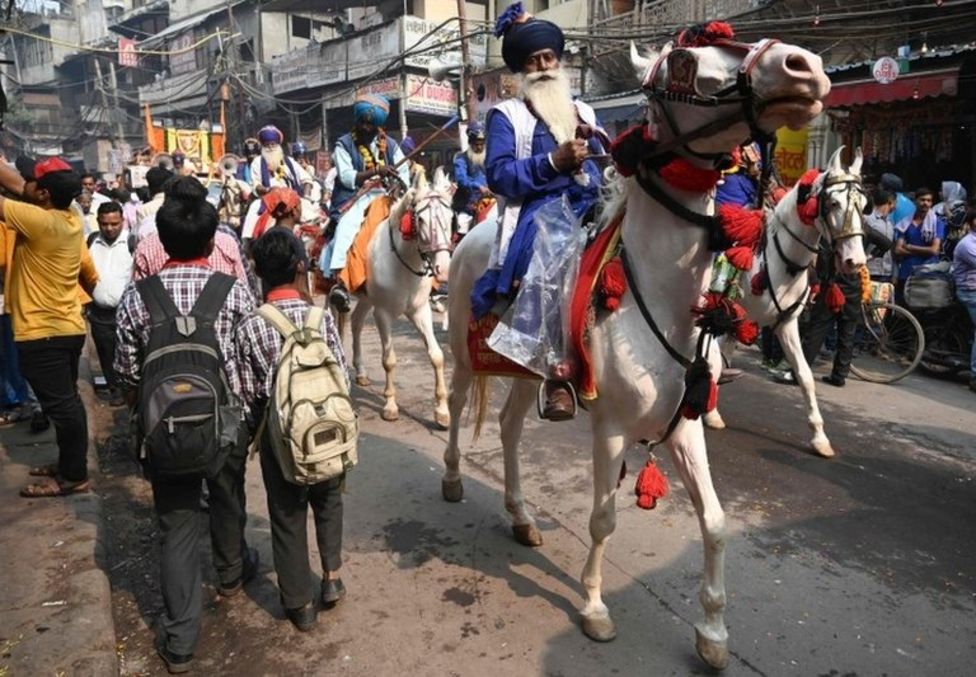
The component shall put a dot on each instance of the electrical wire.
(108, 50)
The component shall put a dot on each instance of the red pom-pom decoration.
(808, 211)
(742, 226)
(613, 283)
(651, 485)
(740, 257)
(406, 225)
(835, 298)
(683, 175)
(747, 332)
(758, 283)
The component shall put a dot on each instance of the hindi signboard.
(426, 96)
(791, 154)
(128, 56)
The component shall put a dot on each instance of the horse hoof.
(713, 420)
(390, 415)
(823, 449)
(362, 380)
(452, 491)
(527, 534)
(715, 654)
(443, 421)
(599, 628)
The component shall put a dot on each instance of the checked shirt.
(259, 349)
(184, 284)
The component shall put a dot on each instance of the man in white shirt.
(89, 183)
(113, 261)
(156, 180)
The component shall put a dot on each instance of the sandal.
(54, 487)
(49, 470)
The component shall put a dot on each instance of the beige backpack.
(310, 419)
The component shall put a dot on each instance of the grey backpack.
(310, 420)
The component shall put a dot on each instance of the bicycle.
(888, 343)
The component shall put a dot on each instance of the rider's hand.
(387, 170)
(485, 190)
(569, 155)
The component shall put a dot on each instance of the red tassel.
(758, 283)
(651, 485)
(406, 225)
(809, 177)
(613, 283)
(747, 332)
(835, 298)
(740, 257)
(681, 174)
(777, 194)
(740, 225)
(808, 211)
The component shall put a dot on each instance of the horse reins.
(428, 269)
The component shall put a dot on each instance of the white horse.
(640, 384)
(400, 275)
(790, 248)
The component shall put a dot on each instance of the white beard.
(477, 159)
(548, 93)
(274, 156)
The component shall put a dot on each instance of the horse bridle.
(425, 204)
(684, 91)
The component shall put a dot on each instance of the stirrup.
(540, 400)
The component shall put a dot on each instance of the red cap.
(54, 164)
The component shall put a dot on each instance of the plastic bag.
(535, 330)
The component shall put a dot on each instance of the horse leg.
(357, 320)
(451, 488)
(520, 399)
(687, 445)
(424, 322)
(607, 459)
(713, 419)
(384, 324)
(789, 337)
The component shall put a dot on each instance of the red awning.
(905, 88)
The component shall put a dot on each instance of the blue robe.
(470, 180)
(535, 181)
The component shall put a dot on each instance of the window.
(301, 27)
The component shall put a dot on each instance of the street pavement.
(861, 565)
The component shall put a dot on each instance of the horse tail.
(479, 402)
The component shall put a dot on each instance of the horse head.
(707, 93)
(432, 214)
(841, 204)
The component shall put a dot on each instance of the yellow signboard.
(791, 154)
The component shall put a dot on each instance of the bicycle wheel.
(888, 343)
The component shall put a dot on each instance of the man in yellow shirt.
(45, 309)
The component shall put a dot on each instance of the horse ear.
(440, 179)
(833, 165)
(641, 63)
(855, 168)
(420, 181)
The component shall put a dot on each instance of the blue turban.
(524, 36)
(371, 108)
(270, 134)
(408, 145)
(476, 130)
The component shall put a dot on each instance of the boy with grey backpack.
(296, 394)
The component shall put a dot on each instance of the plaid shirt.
(151, 256)
(185, 284)
(259, 349)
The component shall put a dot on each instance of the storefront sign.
(183, 58)
(388, 87)
(373, 50)
(791, 154)
(426, 96)
(127, 52)
(885, 70)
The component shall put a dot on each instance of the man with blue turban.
(536, 154)
(469, 175)
(364, 156)
(272, 168)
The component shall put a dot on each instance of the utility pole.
(231, 64)
(465, 102)
(113, 82)
(105, 107)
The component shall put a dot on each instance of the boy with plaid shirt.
(281, 263)
(187, 224)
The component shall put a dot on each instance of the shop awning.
(907, 87)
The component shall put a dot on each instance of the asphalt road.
(861, 565)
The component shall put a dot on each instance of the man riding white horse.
(534, 156)
(272, 168)
(469, 175)
(364, 157)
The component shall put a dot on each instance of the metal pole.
(114, 84)
(101, 90)
(465, 100)
(403, 104)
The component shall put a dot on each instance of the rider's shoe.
(339, 298)
(834, 380)
(559, 404)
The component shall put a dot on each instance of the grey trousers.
(288, 506)
(177, 504)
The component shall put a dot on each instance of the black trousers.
(177, 504)
(815, 331)
(288, 506)
(102, 323)
(50, 366)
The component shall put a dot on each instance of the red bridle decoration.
(406, 225)
(703, 36)
(808, 210)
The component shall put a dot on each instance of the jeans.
(50, 366)
(822, 321)
(102, 323)
(968, 299)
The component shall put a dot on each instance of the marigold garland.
(369, 162)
